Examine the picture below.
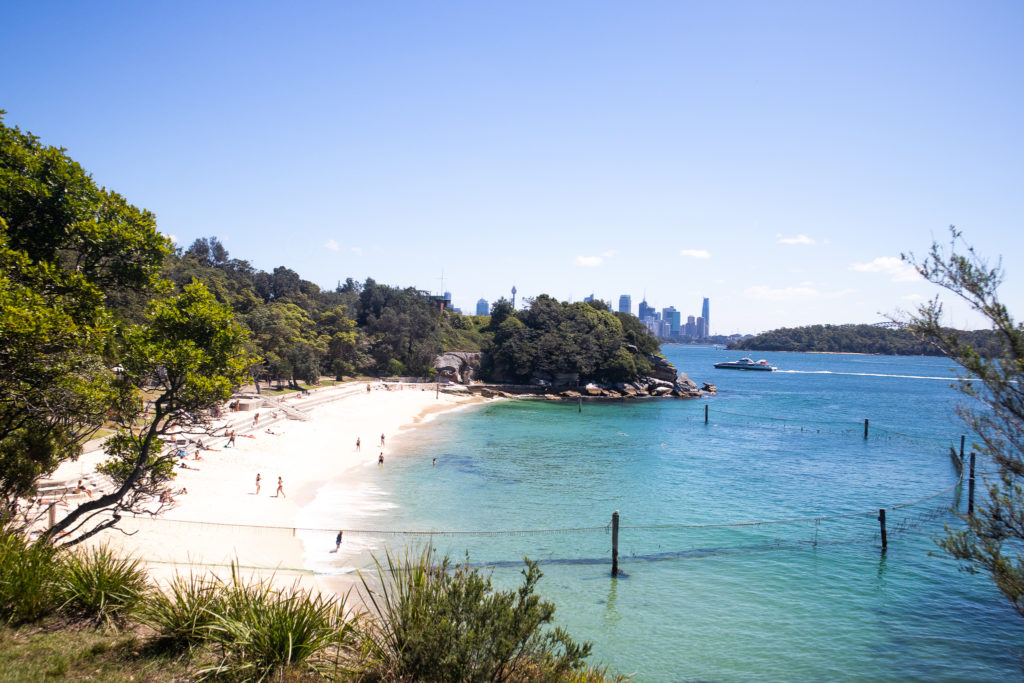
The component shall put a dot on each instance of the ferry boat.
(746, 364)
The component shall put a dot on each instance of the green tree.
(991, 541)
(78, 343)
(70, 253)
(191, 353)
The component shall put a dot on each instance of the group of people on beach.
(280, 486)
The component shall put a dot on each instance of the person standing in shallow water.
(380, 460)
(357, 444)
(382, 440)
(258, 480)
(337, 541)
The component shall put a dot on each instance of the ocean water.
(749, 545)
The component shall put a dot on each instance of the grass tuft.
(100, 586)
(27, 570)
(264, 632)
(182, 614)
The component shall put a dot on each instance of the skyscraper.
(672, 317)
(645, 311)
(706, 314)
(482, 307)
(625, 304)
(691, 326)
(702, 328)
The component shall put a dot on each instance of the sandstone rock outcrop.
(458, 366)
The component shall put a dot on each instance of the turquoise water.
(706, 595)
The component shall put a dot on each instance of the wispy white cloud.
(358, 251)
(801, 293)
(900, 271)
(589, 261)
(332, 245)
(799, 239)
(695, 253)
(912, 297)
(173, 238)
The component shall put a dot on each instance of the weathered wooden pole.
(970, 489)
(705, 413)
(961, 449)
(615, 543)
(51, 513)
(437, 390)
(580, 399)
(881, 524)
(865, 429)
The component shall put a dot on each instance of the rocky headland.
(460, 370)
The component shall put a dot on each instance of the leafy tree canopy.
(994, 382)
(556, 337)
(81, 300)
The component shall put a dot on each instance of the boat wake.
(863, 374)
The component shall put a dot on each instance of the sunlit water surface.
(705, 595)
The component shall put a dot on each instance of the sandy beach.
(222, 519)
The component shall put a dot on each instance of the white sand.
(213, 524)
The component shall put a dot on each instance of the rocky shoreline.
(459, 368)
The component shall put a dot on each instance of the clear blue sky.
(773, 156)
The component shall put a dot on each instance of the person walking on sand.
(258, 480)
(231, 438)
(357, 444)
(280, 489)
(255, 419)
(382, 440)
(337, 541)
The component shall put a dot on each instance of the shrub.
(434, 621)
(262, 631)
(182, 614)
(27, 571)
(98, 585)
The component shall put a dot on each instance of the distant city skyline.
(778, 158)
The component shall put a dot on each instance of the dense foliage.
(858, 339)
(431, 621)
(67, 248)
(555, 337)
(303, 332)
(425, 621)
(992, 541)
(87, 325)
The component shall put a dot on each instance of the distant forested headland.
(860, 339)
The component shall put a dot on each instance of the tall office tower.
(671, 316)
(482, 308)
(691, 326)
(625, 304)
(588, 299)
(705, 313)
(702, 328)
(677, 320)
(645, 311)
